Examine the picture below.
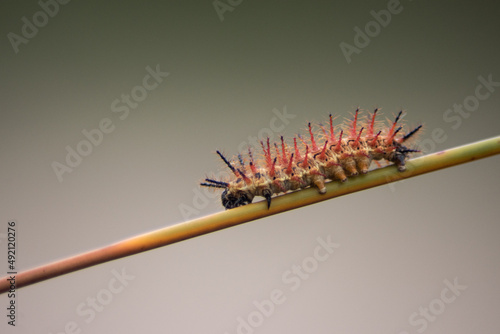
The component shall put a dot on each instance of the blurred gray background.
(416, 256)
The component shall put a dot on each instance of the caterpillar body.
(333, 153)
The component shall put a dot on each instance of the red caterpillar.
(334, 154)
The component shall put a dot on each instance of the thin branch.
(240, 215)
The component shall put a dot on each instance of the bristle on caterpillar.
(330, 154)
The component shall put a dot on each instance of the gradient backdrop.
(233, 67)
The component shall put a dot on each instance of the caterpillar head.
(232, 200)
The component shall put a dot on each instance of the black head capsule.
(230, 200)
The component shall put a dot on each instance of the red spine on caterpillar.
(324, 157)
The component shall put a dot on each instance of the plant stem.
(240, 215)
